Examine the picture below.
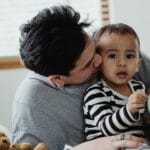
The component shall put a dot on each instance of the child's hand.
(136, 101)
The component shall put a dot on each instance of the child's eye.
(130, 56)
(112, 56)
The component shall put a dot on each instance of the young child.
(113, 105)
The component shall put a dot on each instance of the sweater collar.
(77, 90)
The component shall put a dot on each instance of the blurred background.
(13, 13)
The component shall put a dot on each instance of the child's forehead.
(115, 37)
(118, 34)
(117, 42)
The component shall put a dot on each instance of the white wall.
(135, 13)
(9, 81)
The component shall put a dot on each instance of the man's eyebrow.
(89, 62)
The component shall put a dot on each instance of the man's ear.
(57, 80)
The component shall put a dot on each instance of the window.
(13, 13)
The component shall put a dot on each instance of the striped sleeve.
(100, 120)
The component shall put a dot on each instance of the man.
(47, 106)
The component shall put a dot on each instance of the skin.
(111, 143)
(86, 67)
(120, 55)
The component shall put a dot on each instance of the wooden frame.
(105, 12)
(10, 62)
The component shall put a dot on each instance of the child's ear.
(57, 80)
(139, 64)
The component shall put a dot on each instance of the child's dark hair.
(52, 41)
(119, 28)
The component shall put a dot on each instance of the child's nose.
(121, 62)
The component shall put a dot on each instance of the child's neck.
(123, 89)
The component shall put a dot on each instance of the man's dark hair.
(53, 40)
(119, 28)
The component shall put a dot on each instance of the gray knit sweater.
(45, 113)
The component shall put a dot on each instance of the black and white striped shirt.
(106, 112)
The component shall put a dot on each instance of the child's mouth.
(122, 75)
